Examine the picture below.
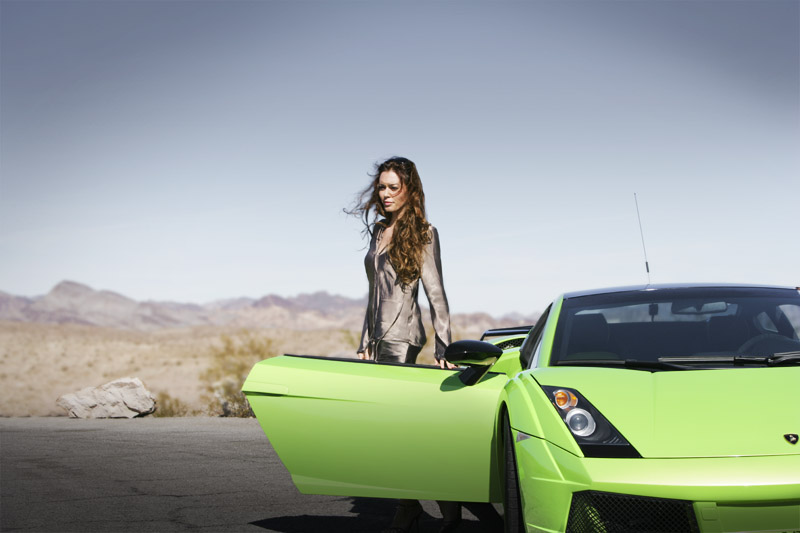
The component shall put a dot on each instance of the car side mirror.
(477, 356)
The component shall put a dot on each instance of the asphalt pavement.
(167, 474)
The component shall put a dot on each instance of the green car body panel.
(712, 438)
(550, 475)
(508, 363)
(364, 429)
(655, 410)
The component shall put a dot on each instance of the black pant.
(396, 352)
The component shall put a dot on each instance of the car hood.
(693, 413)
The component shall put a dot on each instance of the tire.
(512, 501)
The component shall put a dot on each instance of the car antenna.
(641, 232)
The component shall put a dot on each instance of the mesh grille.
(510, 343)
(620, 513)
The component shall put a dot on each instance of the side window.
(765, 323)
(789, 316)
(534, 339)
(536, 351)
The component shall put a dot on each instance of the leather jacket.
(393, 313)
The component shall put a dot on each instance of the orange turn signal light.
(565, 399)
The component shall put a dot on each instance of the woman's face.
(391, 192)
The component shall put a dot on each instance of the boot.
(451, 516)
(406, 518)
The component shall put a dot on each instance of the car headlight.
(595, 435)
(580, 422)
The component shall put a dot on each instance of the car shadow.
(369, 515)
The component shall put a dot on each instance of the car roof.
(668, 286)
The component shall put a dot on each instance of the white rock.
(121, 398)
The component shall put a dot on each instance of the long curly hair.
(411, 229)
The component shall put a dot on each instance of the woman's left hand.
(444, 364)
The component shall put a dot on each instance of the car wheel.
(512, 502)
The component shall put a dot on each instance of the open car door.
(359, 428)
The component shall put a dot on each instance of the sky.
(201, 150)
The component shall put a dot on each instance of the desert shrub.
(231, 361)
(167, 406)
(351, 339)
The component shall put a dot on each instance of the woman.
(403, 250)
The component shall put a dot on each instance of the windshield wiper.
(778, 359)
(784, 358)
(634, 364)
(653, 365)
(704, 360)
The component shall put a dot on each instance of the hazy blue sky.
(194, 151)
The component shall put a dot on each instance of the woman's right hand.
(364, 354)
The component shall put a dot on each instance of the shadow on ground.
(374, 515)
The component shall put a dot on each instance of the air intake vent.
(621, 513)
(510, 343)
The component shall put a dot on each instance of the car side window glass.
(531, 344)
(765, 323)
(536, 352)
(790, 314)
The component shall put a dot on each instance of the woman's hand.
(364, 354)
(444, 364)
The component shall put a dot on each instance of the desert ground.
(41, 362)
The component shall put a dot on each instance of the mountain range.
(76, 303)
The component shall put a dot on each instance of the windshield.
(716, 326)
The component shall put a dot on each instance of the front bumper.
(722, 494)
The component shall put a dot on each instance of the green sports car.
(657, 408)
